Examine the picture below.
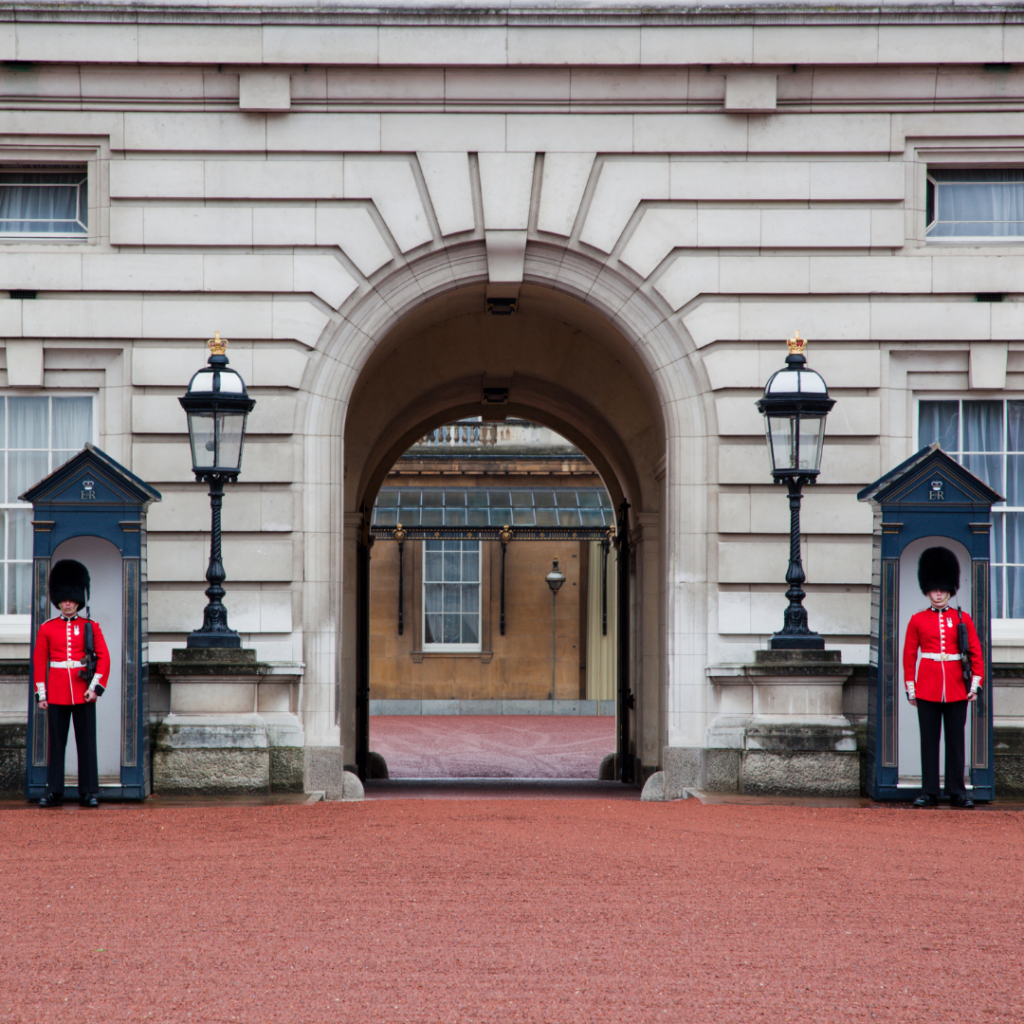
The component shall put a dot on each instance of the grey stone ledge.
(543, 13)
(779, 674)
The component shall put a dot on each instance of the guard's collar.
(939, 608)
(68, 618)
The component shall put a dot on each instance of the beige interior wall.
(516, 666)
(602, 648)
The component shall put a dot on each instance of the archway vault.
(605, 370)
(592, 389)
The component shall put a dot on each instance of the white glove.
(911, 692)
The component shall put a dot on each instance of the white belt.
(933, 657)
(66, 664)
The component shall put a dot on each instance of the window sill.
(1008, 632)
(483, 656)
(15, 629)
(976, 240)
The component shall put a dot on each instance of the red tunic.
(59, 642)
(934, 632)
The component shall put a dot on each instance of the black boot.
(926, 800)
(90, 801)
(51, 800)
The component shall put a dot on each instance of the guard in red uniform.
(58, 660)
(935, 684)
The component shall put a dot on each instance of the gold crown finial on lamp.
(218, 345)
(796, 344)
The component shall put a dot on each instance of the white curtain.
(433, 609)
(72, 427)
(1014, 605)
(939, 421)
(982, 432)
(19, 575)
(28, 427)
(43, 203)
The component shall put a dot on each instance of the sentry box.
(92, 509)
(926, 501)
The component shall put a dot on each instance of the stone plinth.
(780, 727)
(232, 726)
(1008, 746)
(14, 686)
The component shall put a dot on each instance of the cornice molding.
(542, 14)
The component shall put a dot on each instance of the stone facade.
(668, 193)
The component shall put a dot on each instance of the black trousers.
(58, 718)
(934, 717)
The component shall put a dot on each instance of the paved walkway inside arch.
(512, 912)
(492, 746)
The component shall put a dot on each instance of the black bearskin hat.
(69, 581)
(939, 569)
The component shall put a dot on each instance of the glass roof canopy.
(492, 507)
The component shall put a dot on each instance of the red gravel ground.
(513, 910)
(493, 746)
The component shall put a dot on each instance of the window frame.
(86, 153)
(11, 621)
(944, 153)
(1002, 628)
(443, 648)
(932, 183)
(40, 169)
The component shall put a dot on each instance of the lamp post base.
(225, 641)
(797, 642)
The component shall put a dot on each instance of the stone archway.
(587, 355)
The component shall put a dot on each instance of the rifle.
(88, 669)
(963, 642)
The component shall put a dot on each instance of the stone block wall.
(298, 181)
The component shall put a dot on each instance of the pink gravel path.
(511, 912)
(492, 746)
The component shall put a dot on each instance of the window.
(975, 204)
(451, 595)
(52, 201)
(37, 434)
(485, 506)
(988, 438)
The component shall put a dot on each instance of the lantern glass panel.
(795, 442)
(812, 437)
(202, 435)
(781, 432)
(230, 433)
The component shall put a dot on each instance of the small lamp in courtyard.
(554, 580)
(795, 403)
(217, 405)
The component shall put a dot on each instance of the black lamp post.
(554, 580)
(795, 404)
(217, 405)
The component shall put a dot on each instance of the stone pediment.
(931, 480)
(91, 479)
